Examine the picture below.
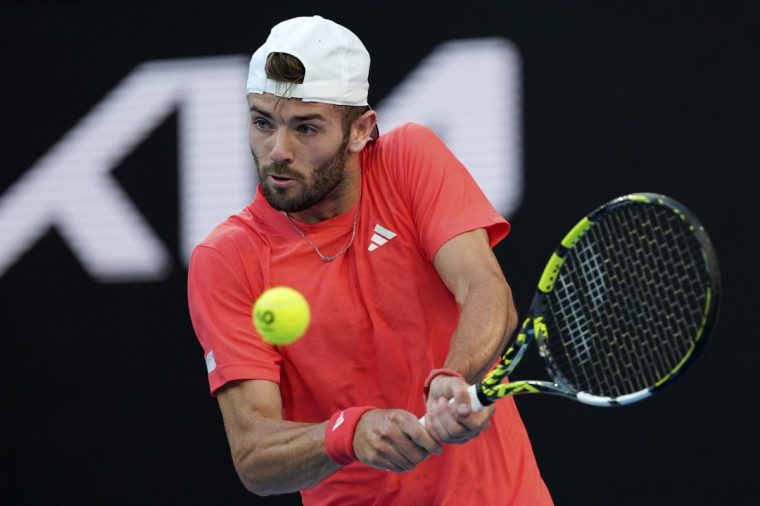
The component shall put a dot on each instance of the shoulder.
(408, 135)
(227, 233)
(231, 239)
(227, 261)
(405, 147)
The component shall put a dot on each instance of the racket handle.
(474, 401)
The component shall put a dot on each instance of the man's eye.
(260, 123)
(306, 129)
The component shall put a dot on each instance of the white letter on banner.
(70, 186)
(469, 93)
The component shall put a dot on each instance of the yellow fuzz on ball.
(281, 315)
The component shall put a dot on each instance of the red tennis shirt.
(381, 320)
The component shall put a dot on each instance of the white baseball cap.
(335, 60)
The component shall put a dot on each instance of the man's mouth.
(280, 181)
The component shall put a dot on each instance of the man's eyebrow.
(253, 108)
(298, 119)
(309, 117)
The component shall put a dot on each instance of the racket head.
(627, 301)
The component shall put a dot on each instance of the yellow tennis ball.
(281, 315)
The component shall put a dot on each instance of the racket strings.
(628, 302)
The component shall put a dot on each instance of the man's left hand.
(455, 423)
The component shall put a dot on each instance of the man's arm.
(276, 456)
(470, 270)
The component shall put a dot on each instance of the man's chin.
(280, 200)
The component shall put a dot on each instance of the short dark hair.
(286, 68)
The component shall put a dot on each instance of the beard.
(325, 179)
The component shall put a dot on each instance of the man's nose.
(282, 151)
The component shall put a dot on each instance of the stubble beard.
(327, 177)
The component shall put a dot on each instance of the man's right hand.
(393, 440)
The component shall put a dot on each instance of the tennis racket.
(623, 307)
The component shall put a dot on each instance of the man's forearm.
(486, 321)
(278, 457)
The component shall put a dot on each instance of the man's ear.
(361, 131)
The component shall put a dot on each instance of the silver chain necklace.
(328, 258)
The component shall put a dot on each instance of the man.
(389, 239)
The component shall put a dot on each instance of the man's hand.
(393, 440)
(455, 424)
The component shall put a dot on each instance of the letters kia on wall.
(71, 187)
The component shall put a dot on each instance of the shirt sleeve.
(444, 199)
(220, 299)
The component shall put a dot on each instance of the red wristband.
(339, 434)
(434, 374)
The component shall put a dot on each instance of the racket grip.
(474, 401)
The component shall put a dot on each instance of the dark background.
(104, 393)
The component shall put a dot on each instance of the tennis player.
(389, 238)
